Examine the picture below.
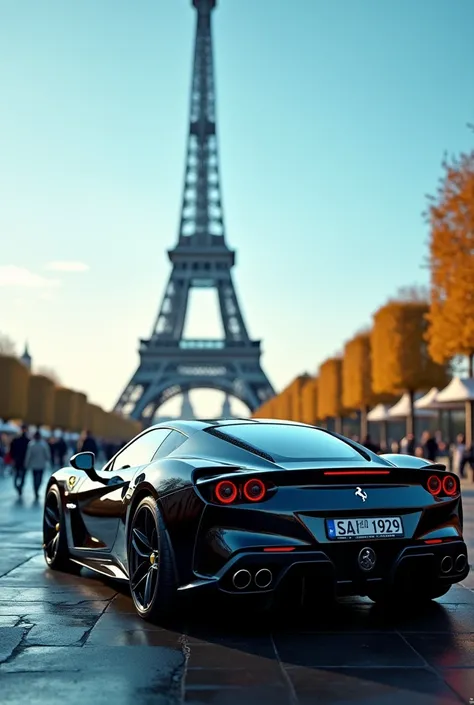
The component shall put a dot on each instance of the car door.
(100, 505)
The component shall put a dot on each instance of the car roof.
(191, 426)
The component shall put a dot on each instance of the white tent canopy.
(378, 413)
(457, 392)
(401, 410)
(427, 401)
(431, 401)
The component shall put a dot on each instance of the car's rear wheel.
(395, 597)
(151, 567)
(55, 548)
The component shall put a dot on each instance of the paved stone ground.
(75, 640)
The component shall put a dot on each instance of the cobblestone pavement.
(73, 640)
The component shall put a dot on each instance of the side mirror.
(83, 461)
(86, 461)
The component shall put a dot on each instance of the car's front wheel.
(150, 560)
(56, 552)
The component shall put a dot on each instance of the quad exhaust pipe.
(459, 564)
(447, 564)
(242, 579)
(263, 578)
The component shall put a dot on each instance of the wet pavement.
(73, 640)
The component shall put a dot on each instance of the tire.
(392, 597)
(151, 567)
(55, 547)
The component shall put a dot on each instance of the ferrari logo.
(367, 559)
(71, 481)
(359, 493)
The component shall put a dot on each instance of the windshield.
(286, 442)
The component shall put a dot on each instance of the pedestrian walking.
(52, 449)
(18, 449)
(370, 445)
(408, 444)
(459, 455)
(3, 455)
(87, 443)
(38, 459)
(60, 450)
(429, 446)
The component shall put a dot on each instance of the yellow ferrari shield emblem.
(72, 481)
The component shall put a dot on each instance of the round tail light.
(450, 485)
(226, 491)
(254, 490)
(434, 485)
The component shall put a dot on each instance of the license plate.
(373, 527)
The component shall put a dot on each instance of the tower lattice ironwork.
(169, 363)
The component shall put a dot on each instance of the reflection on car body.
(255, 508)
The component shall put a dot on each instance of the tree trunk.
(364, 426)
(469, 425)
(469, 430)
(410, 424)
(384, 436)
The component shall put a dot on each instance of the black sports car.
(258, 508)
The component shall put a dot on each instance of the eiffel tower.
(169, 363)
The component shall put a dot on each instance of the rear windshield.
(284, 442)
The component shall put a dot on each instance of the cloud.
(47, 295)
(67, 267)
(12, 276)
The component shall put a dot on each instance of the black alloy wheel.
(144, 557)
(152, 581)
(51, 526)
(55, 546)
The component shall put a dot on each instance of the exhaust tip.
(460, 562)
(263, 578)
(446, 564)
(241, 579)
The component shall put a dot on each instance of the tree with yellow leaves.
(14, 377)
(48, 372)
(283, 405)
(356, 378)
(330, 391)
(7, 346)
(451, 220)
(309, 401)
(294, 391)
(400, 359)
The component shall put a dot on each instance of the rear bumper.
(337, 570)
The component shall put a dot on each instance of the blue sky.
(333, 120)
